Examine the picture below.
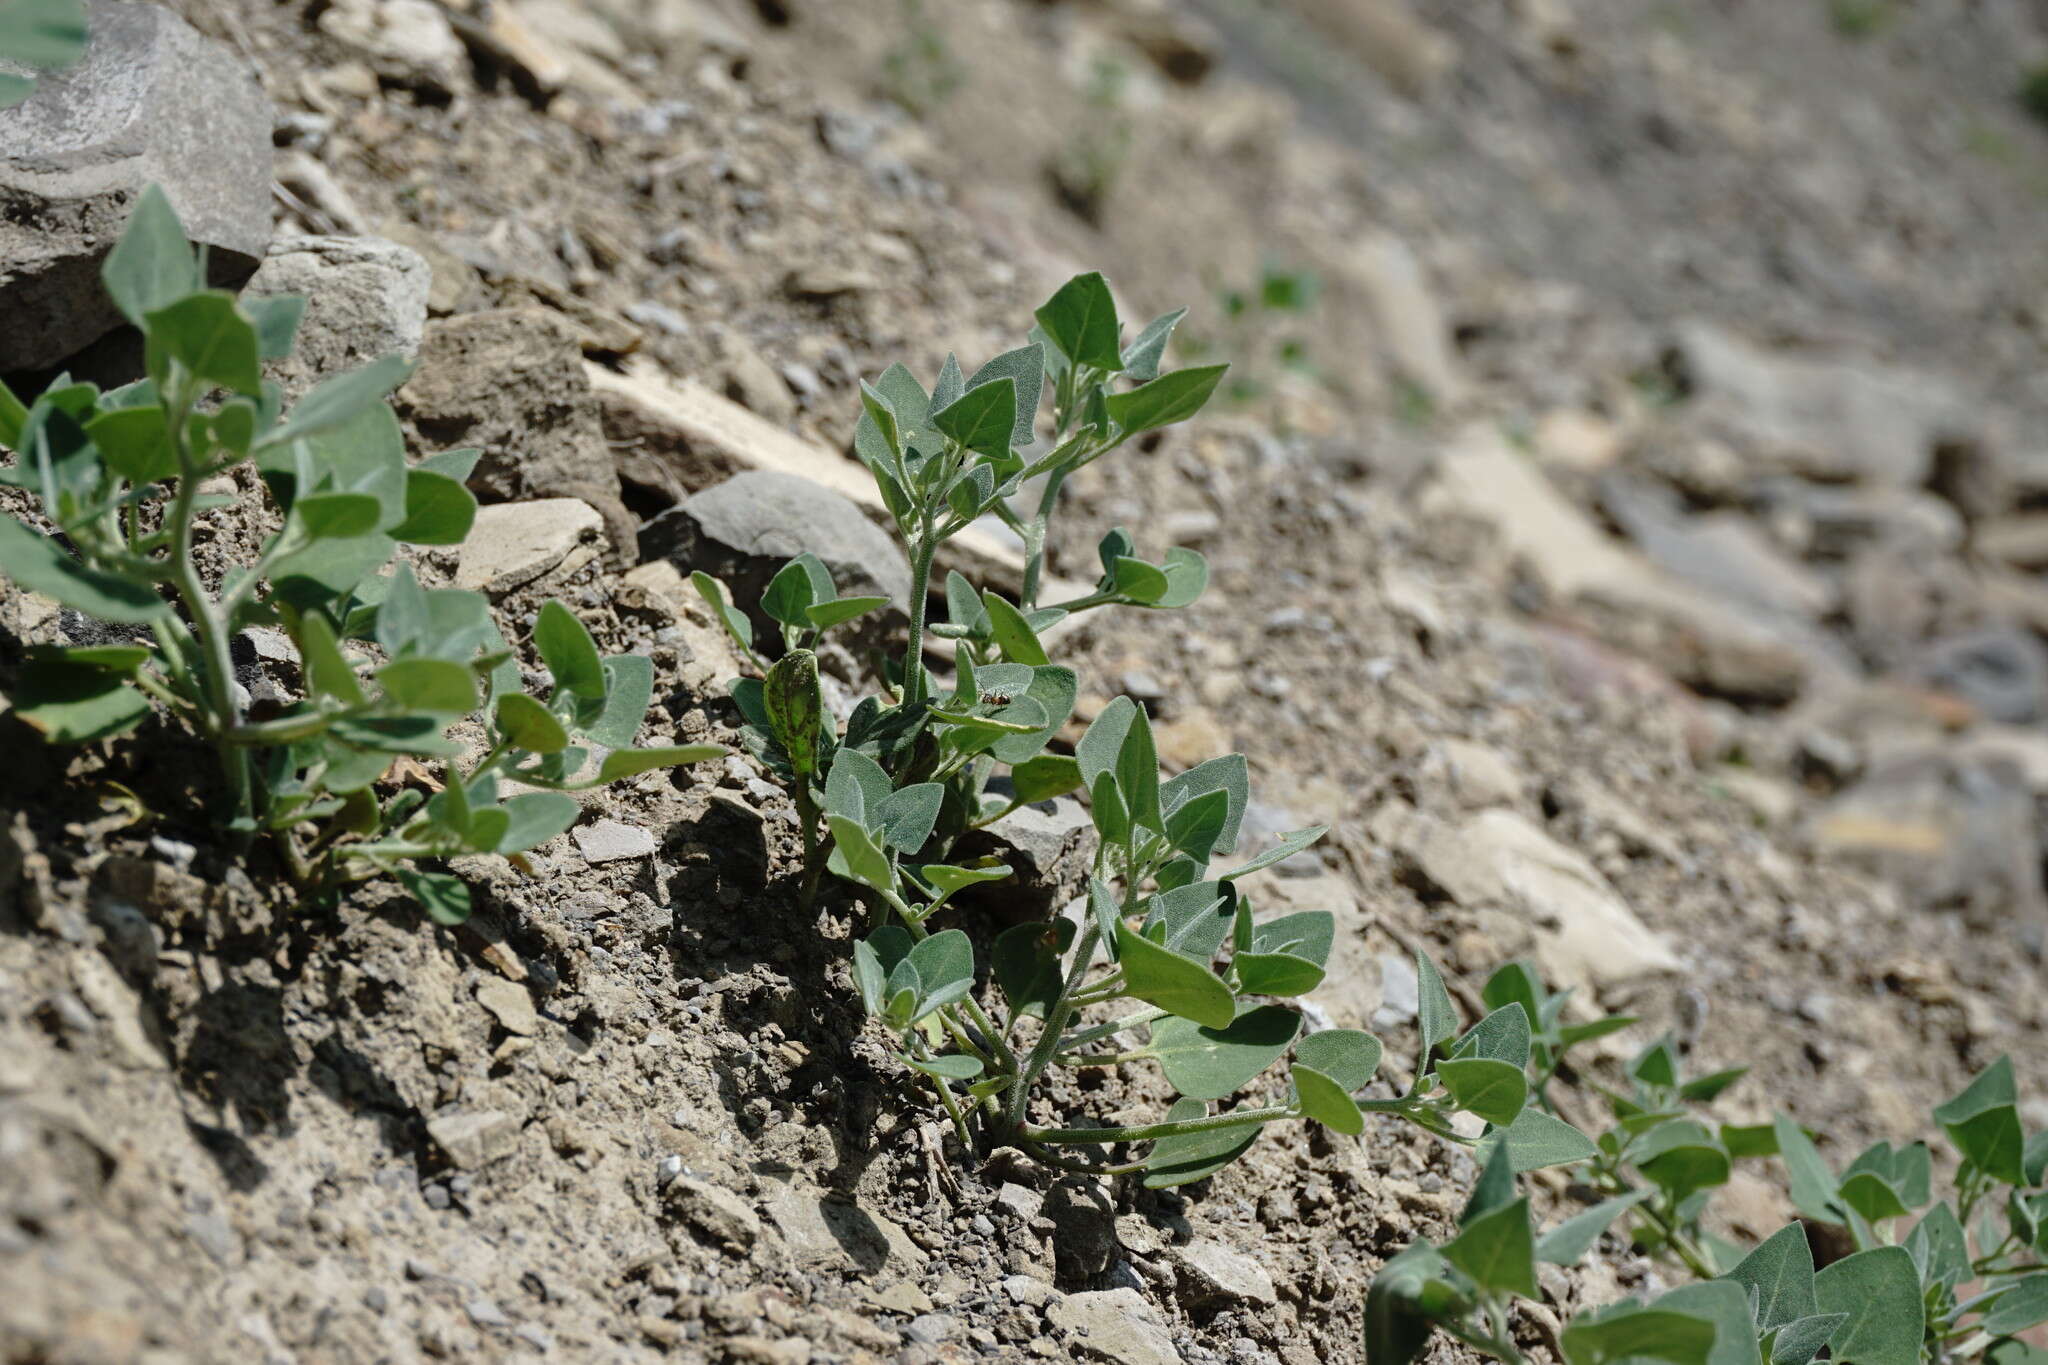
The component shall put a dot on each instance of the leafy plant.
(1860, 18)
(1169, 944)
(920, 71)
(45, 34)
(1928, 1281)
(1088, 165)
(1258, 326)
(125, 477)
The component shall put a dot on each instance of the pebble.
(606, 841)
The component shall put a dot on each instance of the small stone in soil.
(605, 841)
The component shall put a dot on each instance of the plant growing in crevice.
(126, 476)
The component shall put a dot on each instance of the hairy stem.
(920, 593)
(1154, 1132)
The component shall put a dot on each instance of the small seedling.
(124, 478)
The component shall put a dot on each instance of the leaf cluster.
(388, 666)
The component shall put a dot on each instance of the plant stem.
(1153, 1132)
(1048, 1044)
(807, 821)
(920, 590)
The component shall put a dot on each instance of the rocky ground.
(1627, 535)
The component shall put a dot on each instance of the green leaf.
(982, 419)
(825, 615)
(38, 564)
(1195, 827)
(1629, 1332)
(1727, 1307)
(795, 587)
(630, 762)
(45, 33)
(1502, 1035)
(1229, 774)
(1179, 985)
(945, 966)
(445, 898)
(1306, 934)
(1044, 777)
(208, 335)
(1141, 358)
(1172, 397)
(1013, 634)
(1799, 1341)
(1025, 962)
(1323, 1099)
(438, 510)
(1348, 1057)
(276, 319)
(136, 443)
(735, 621)
(1187, 578)
(1881, 1295)
(856, 857)
(152, 265)
(327, 669)
(629, 686)
(1703, 1089)
(1536, 1140)
(948, 1068)
(856, 788)
(1080, 321)
(397, 734)
(1409, 1296)
(1574, 1237)
(1435, 1016)
(529, 725)
(569, 652)
(1025, 369)
(1812, 1183)
(1681, 1156)
(1656, 1064)
(2024, 1304)
(1495, 1091)
(949, 878)
(535, 818)
(1780, 1274)
(1498, 1250)
(1289, 845)
(434, 685)
(1938, 1247)
(341, 400)
(70, 702)
(1207, 1063)
(336, 516)
(796, 708)
(1052, 688)
(1143, 583)
(905, 817)
(1984, 1123)
(1873, 1199)
(1194, 1156)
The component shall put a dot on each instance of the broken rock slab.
(511, 382)
(513, 543)
(151, 102)
(1116, 1325)
(1586, 935)
(365, 298)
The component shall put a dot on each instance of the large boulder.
(152, 102)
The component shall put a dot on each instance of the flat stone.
(2000, 671)
(1586, 935)
(365, 298)
(1116, 1325)
(1048, 848)
(1411, 325)
(476, 1139)
(1214, 1273)
(409, 41)
(151, 102)
(513, 543)
(512, 1003)
(714, 1211)
(605, 841)
(1478, 774)
(820, 1230)
(1029, 1292)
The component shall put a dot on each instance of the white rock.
(514, 543)
(606, 841)
(1116, 1325)
(1586, 935)
(1213, 1272)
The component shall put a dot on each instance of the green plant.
(920, 71)
(1860, 18)
(1257, 326)
(46, 34)
(882, 802)
(2034, 91)
(1089, 163)
(1959, 1284)
(123, 478)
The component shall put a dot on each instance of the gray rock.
(1400, 991)
(365, 298)
(511, 383)
(152, 102)
(746, 528)
(2001, 671)
(1214, 1273)
(1047, 847)
(512, 1005)
(1029, 1292)
(714, 1211)
(1084, 1229)
(475, 1139)
(1723, 552)
(1116, 1325)
(1263, 824)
